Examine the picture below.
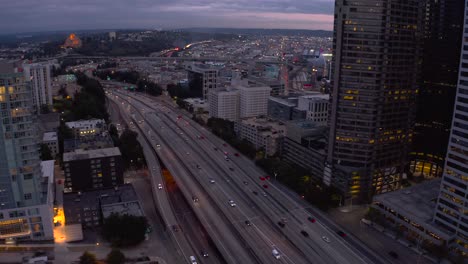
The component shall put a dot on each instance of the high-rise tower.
(374, 86)
(438, 83)
(25, 195)
(452, 204)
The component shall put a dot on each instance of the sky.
(50, 15)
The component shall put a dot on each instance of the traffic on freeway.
(266, 219)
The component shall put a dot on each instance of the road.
(238, 179)
(232, 250)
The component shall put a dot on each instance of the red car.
(341, 233)
(262, 178)
(311, 219)
(236, 154)
(265, 186)
(179, 116)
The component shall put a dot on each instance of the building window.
(28, 196)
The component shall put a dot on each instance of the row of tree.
(132, 151)
(114, 257)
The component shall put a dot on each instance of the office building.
(376, 57)
(253, 101)
(26, 198)
(202, 78)
(50, 139)
(285, 108)
(90, 208)
(224, 104)
(305, 145)
(439, 75)
(316, 107)
(89, 127)
(41, 81)
(92, 169)
(262, 133)
(451, 210)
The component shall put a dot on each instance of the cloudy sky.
(44, 15)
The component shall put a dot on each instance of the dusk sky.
(45, 15)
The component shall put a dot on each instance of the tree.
(114, 133)
(132, 152)
(45, 152)
(115, 257)
(124, 230)
(88, 258)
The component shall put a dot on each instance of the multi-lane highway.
(208, 169)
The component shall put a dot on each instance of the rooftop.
(49, 136)
(130, 208)
(120, 194)
(81, 154)
(84, 123)
(317, 96)
(416, 203)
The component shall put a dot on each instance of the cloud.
(42, 15)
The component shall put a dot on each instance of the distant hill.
(261, 31)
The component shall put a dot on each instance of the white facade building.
(86, 127)
(26, 193)
(253, 101)
(316, 107)
(51, 140)
(41, 81)
(224, 104)
(452, 204)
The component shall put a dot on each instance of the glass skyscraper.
(452, 204)
(376, 50)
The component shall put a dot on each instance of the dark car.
(281, 224)
(341, 233)
(236, 154)
(254, 192)
(204, 253)
(246, 183)
(175, 228)
(225, 144)
(304, 233)
(265, 186)
(311, 219)
(247, 222)
(215, 149)
(393, 254)
(231, 169)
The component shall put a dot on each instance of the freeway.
(213, 59)
(222, 234)
(188, 245)
(238, 178)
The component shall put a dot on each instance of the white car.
(212, 181)
(193, 260)
(276, 254)
(326, 239)
(232, 203)
(159, 186)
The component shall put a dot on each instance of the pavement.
(349, 217)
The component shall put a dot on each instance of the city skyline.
(80, 15)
